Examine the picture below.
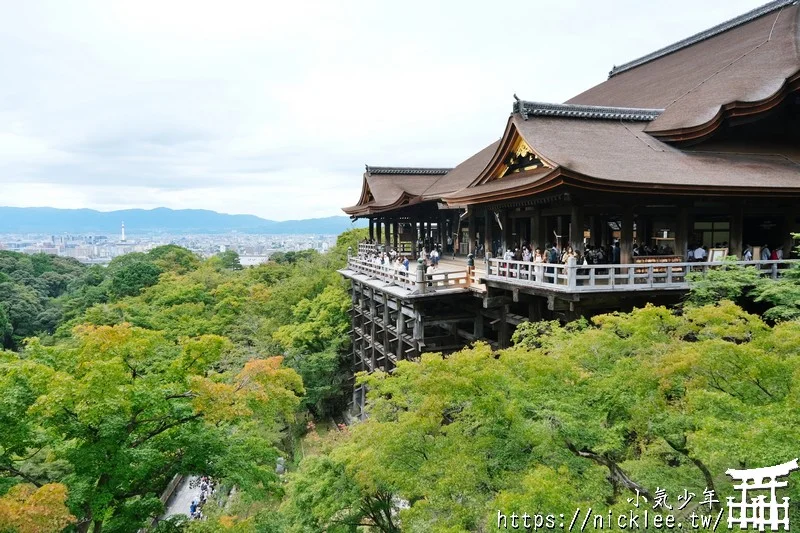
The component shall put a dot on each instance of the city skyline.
(273, 110)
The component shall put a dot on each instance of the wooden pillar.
(372, 332)
(793, 226)
(471, 232)
(737, 231)
(413, 236)
(682, 232)
(505, 231)
(603, 231)
(371, 229)
(626, 237)
(442, 231)
(594, 230)
(535, 310)
(576, 228)
(477, 329)
(789, 226)
(401, 329)
(386, 228)
(503, 337)
(487, 232)
(378, 229)
(385, 331)
(560, 231)
(539, 230)
(419, 326)
(396, 234)
(353, 312)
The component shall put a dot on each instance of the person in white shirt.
(699, 254)
(765, 252)
(748, 253)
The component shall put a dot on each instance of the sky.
(273, 108)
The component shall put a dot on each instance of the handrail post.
(571, 273)
(420, 281)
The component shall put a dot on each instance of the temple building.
(681, 158)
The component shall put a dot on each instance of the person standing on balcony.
(765, 253)
(526, 255)
(748, 253)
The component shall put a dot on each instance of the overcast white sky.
(273, 108)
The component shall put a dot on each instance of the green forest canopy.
(113, 380)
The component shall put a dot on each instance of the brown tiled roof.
(744, 63)
(508, 187)
(619, 156)
(622, 153)
(386, 188)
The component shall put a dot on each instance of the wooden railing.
(413, 280)
(608, 278)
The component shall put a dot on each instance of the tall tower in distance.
(122, 238)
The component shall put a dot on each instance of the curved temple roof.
(615, 136)
(742, 66)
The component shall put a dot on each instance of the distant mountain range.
(138, 221)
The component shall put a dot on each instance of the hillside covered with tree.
(114, 380)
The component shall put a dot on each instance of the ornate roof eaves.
(411, 171)
(528, 109)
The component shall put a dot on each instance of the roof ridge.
(430, 171)
(703, 35)
(526, 109)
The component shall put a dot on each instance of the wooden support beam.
(576, 228)
(503, 338)
(495, 301)
(626, 237)
(682, 232)
(477, 329)
(487, 232)
(471, 232)
(737, 230)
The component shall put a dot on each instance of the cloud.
(272, 108)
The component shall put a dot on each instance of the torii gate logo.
(755, 511)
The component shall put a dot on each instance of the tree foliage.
(159, 364)
(575, 416)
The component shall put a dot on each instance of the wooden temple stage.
(692, 151)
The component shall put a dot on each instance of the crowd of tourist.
(401, 262)
(207, 489)
(551, 253)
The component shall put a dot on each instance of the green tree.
(230, 260)
(173, 258)
(583, 415)
(131, 278)
(127, 409)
